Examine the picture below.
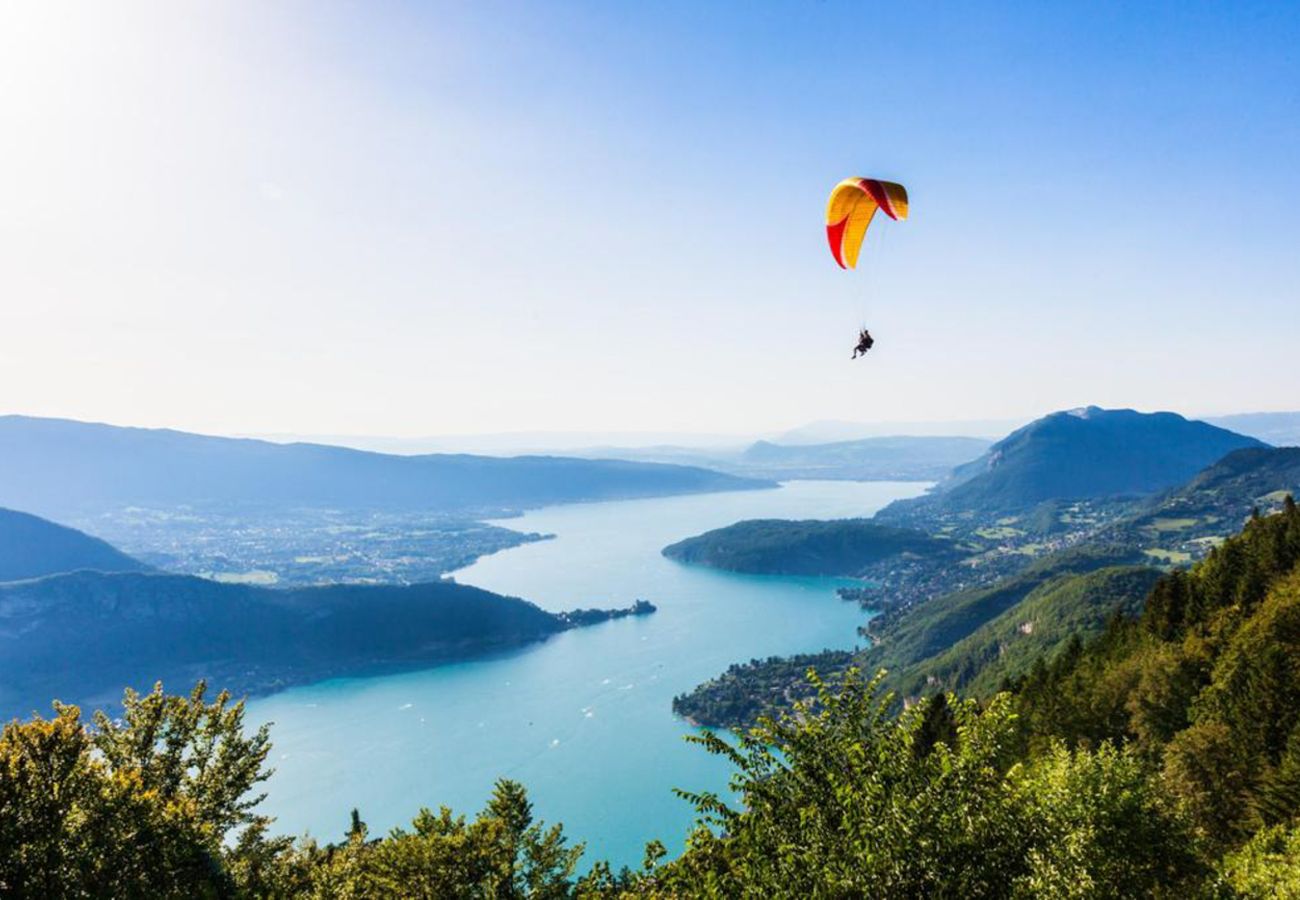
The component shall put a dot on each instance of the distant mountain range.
(31, 547)
(876, 458)
(59, 467)
(1085, 454)
(887, 458)
(835, 431)
(1281, 429)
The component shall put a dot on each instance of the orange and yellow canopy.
(852, 205)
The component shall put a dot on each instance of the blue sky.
(414, 219)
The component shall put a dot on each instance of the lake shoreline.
(586, 712)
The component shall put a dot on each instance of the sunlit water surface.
(584, 720)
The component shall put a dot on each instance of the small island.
(578, 618)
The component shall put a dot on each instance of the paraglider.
(865, 343)
(852, 206)
(850, 210)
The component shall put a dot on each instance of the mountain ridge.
(135, 628)
(32, 547)
(1081, 454)
(57, 466)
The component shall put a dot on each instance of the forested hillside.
(1055, 612)
(1159, 759)
(1205, 684)
(785, 547)
(82, 636)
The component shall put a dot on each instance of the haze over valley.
(564, 450)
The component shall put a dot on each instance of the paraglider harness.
(865, 343)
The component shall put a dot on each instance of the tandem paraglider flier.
(852, 206)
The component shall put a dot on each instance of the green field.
(998, 533)
(1164, 525)
(1170, 557)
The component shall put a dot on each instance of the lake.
(584, 720)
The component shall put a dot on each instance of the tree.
(836, 800)
(79, 823)
(1266, 868)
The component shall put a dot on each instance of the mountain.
(836, 431)
(1181, 524)
(1085, 454)
(1281, 429)
(82, 636)
(782, 547)
(31, 547)
(1232, 486)
(1214, 503)
(57, 466)
(877, 458)
(901, 458)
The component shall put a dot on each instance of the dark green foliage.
(581, 617)
(139, 810)
(842, 799)
(938, 726)
(1205, 683)
(942, 622)
(917, 645)
(1266, 868)
(31, 547)
(737, 697)
(161, 804)
(1003, 649)
(1158, 758)
(812, 547)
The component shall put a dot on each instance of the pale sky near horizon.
(413, 219)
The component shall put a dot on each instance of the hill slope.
(82, 636)
(812, 547)
(1085, 454)
(54, 466)
(915, 634)
(1256, 476)
(1203, 682)
(1006, 647)
(31, 547)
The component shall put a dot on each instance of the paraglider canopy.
(849, 211)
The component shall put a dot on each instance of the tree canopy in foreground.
(1160, 759)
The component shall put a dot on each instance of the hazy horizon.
(506, 217)
(588, 442)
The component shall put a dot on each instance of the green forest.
(1160, 757)
(780, 547)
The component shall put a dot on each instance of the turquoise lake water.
(584, 720)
